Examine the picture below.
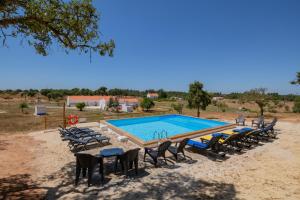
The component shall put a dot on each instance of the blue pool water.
(144, 128)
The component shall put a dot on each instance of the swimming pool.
(148, 129)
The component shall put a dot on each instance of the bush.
(147, 103)
(296, 108)
(113, 104)
(22, 106)
(287, 108)
(80, 106)
(177, 107)
(222, 106)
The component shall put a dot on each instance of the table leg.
(101, 169)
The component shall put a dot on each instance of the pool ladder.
(160, 135)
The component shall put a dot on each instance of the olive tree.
(80, 106)
(259, 96)
(197, 97)
(177, 107)
(72, 24)
(147, 104)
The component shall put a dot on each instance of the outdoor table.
(104, 153)
(110, 152)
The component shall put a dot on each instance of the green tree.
(177, 107)
(147, 104)
(23, 106)
(197, 97)
(101, 91)
(297, 80)
(114, 104)
(162, 94)
(259, 96)
(80, 106)
(32, 92)
(296, 107)
(24, 94)
(72, 24)
(55, 95)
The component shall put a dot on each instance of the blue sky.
(228, 45)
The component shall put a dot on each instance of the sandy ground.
(39, 165)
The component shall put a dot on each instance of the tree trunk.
(198, 111)
(261, 111)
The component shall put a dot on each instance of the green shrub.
(222, 106)
(22, 106)
(146, 104)
(80, 106)
(177, 107)
(287, 108)
(296, 108)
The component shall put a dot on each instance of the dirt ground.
(39, 165)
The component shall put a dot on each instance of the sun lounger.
(81, 143)
(211, 145)
(79, 135)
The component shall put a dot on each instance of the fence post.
(64, 115)
(45, 120)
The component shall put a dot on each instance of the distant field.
(12, 120)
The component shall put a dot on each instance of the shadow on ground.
(20, 187)
(164, 185)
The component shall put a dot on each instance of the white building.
(102, 101)
(217, 98)
(152, 95)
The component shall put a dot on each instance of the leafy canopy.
(72, 24)
(23, 105)
(297, 81)
(147, 104)
(197, 97)
(259, 96)
(80, 106)
(296, 107)
(177, 107)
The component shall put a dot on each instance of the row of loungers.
(234, 139)
(80, 138)
(217, 143)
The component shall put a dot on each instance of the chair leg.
(90, 173)
(83, 172)
(126, 168)
(183, 154)
(136, 166)
(130, 164)
(78, 170)
(175, 155)
(145, 155)
(155, 162)
(116, 164)
(166, 159)
(101, 170)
